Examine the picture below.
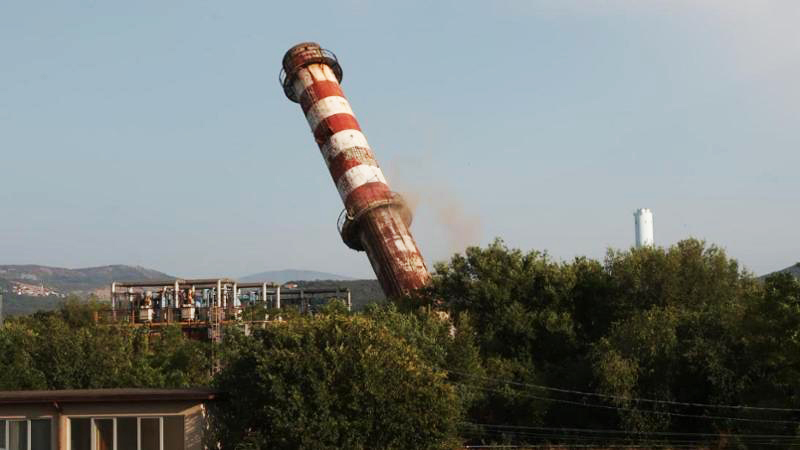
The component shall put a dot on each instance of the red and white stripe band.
(350, 160)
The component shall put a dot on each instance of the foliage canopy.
(66, 349)
(336, 381)
(645, 343)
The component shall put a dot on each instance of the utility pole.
(1, 310)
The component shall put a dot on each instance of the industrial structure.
(375, 219)
(201, 306)
(643, 219)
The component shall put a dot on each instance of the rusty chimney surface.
(375, 219)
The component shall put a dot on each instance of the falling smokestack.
(643, 218)
(375, 219)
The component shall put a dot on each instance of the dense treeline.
(649, 347)
(67, 349)
(680, 325)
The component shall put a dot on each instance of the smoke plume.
(461, 227)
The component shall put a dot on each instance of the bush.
(335, 381)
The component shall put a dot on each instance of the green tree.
(66, 349)
(770, 339)
(519, 305)
(335, 381)
(676, 336)
(678, 324)
(17, 359)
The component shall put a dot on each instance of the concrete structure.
(104, 419)
(375, 219)
(643, 219)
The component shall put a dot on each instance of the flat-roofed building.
(104, 419)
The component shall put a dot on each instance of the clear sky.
(156, 134)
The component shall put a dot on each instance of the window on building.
(104, 434)
(150, 433)
(80, 434)
(18, 435)
(40, 434)
(126, 433)
(25, 434)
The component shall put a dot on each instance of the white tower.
(644, 227)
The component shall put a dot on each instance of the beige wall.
(193, 412)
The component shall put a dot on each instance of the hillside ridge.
(794, 270)
(282, 276)
(81, 280)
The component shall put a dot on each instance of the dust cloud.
(461, 227)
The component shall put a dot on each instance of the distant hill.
(362, 292)
(282, 276)
(794, 270)
(84, 281)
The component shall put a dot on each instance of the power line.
(542, 431)
(619, 408)
(587, 442)
(627, 442)
(643, 437)
(595, 439)
(618, 397)
(608, 431)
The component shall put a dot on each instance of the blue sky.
(155, 133)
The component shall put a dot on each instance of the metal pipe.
(314, 291)
(150, 283)
(375, 219)
(302, 302)
(159, 283)
(113, 296)
(257, 284)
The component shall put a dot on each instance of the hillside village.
(35, 290)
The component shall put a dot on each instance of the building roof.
(106, 395)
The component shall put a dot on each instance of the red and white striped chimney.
(375, 219)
